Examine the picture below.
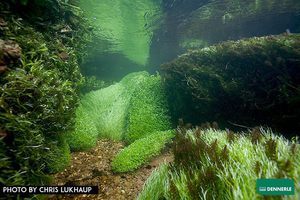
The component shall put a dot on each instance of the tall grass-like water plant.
(156, 184)
(215, 164)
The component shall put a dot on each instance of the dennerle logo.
(263, 189)
(275, 186)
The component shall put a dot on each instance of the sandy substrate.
(93, 168)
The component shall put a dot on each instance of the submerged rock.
(251, 82)
(10, 52)
(3, 24)
(193, 24)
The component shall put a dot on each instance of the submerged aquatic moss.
(155, 184)
(207, 166)
(251, 82)
(141, 151)
(113, 105)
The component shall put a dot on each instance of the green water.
(123, 25)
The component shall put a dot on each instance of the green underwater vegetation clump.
(84, 135)
(107, 109)
(59, 157)
(215, 164)
(103, 113)
(128, 110)
(141, 151)
(148, 111)
(91, 84)
(39, 78)
(157, 179)
(113, 106)
(133, 110)
(251, 82)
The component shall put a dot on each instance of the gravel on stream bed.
(92, 168)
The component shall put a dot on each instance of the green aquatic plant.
(39, 91)
(155, 184)
(204, 23)
(58, 156)
(132, 80)
(113, 111)
(9, 176)
(208, 167)
(108, 109)
(41, 94)
(130, 109)
(29, 114)
(113, 105)
(148, 111)
(141, 151)
(24, 149)
(251, 82)
(85, 134)
(91, 84)
(103, 113)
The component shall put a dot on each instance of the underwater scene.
(150, 99)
